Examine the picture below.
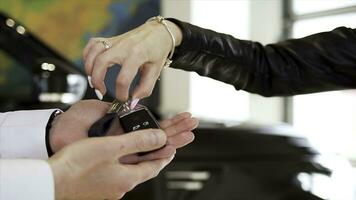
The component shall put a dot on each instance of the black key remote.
(130, 119)
(138, 119)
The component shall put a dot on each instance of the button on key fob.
(137, 119)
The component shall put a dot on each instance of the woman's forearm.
(320, 62)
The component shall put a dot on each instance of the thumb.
(149, 169)
(137, 141)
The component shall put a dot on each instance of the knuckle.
(140, 143)
(153, 138)
(97, 47)
(150, 139)
(99, 61)
(138, 50)
(122, 82)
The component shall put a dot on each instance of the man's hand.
(73, 125)
(90, 168)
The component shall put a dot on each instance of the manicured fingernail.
(99, 95)
(134, 103)
(89, 81)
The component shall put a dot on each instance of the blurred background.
(247, 146)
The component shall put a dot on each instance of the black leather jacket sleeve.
(321, 62)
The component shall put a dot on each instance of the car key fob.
(137, 119)
(130, 119)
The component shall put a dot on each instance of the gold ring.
(106, 44)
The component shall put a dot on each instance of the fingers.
(173, 143)
(99, 68)
(165, 152)
(169, 122)
(144, 46)
(149, 75)
(91, 51)
(88, 46)
(187, 124)
(127, 73)
(150, 169)
(181, 140)
(93, 54)
(135, 142)
(130, 159)
(98, 60)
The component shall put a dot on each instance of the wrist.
(58, 178)
(176, 32)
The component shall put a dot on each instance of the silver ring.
(107, 44)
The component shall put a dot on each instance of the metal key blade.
(116, 106)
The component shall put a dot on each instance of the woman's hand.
(89, 169)
(143, 49)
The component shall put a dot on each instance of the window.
(328, 118)
(312, 6)
(210, 99)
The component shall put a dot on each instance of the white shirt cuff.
(26, 179)
(22, 134)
